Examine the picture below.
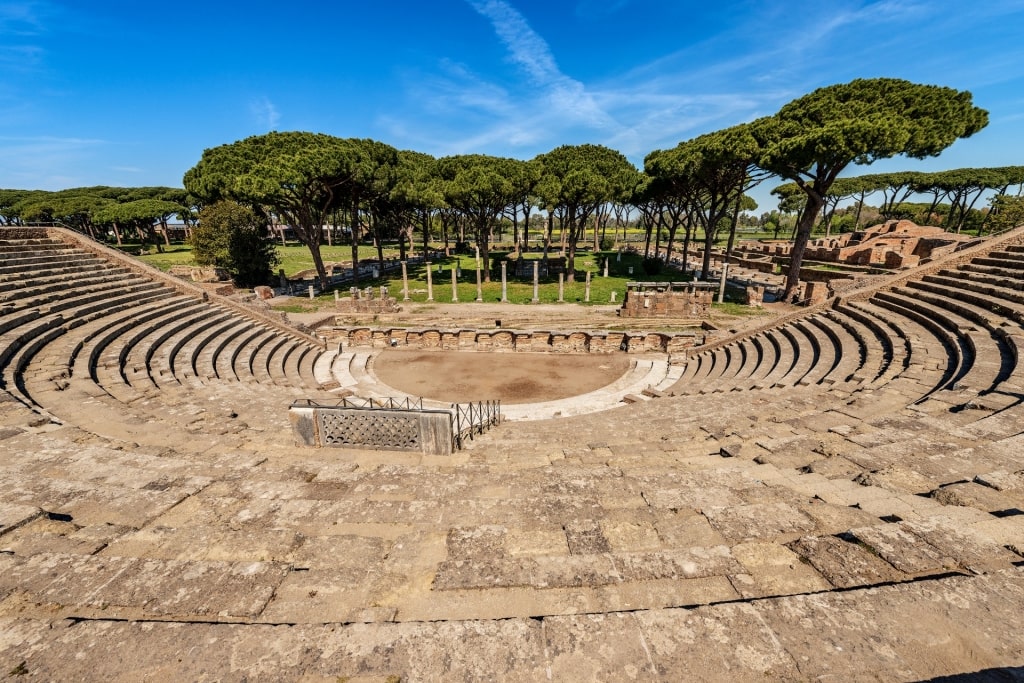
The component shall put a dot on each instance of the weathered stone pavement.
(156, 525)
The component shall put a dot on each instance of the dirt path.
(461, 376)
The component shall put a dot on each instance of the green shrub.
(652, 265)
(234, 237)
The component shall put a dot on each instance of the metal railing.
(469, 419)
(387, 403)
(465, 420)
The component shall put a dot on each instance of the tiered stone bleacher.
(838, 496)
(948, 339)
(81, 330)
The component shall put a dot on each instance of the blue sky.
(97, 92)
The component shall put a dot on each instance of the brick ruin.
(892, 245)
(368, 301)
(514, 340)
(668, 300)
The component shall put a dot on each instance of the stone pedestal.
(536, 282)
(816, 292)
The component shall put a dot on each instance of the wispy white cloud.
(528, 50)
(21, 26)
(264, 113)
(24, 18)
(544, 107)
(21, 58)
(47, 162)
(764, 57)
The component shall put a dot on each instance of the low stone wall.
(425, 431)
(664, 300)
(504, 340)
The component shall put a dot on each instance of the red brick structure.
(667, 300)
(892, 245)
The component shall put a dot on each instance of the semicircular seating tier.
(86, 331)
(947, 338)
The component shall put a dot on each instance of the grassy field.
(520, 291)
(296, 258)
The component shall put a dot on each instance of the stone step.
(206, 362)
(935, 353)
(786, 359)
(856, 361)
(172, 357)
(1005, 263)
(984, 354)
(768, 355)
(89, 585)
(894, 350)
(986, 308)
(225, 360)
(144, 362)
(186, 360)
(247, 362)
(28, 263)
(12, 285)
(90, 341)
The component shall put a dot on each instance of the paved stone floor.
(621, 545)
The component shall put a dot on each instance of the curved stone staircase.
(947, 339)
(835, 494)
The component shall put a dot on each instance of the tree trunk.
(167, 237)
(570, 263)
(426, 235)
(671, 238)
(550, 231)
(658, 224)
(803, 235)
(709, 241)
(735, 223)
(686, 244)
(355, 244)
(318, 263)
(483, 235)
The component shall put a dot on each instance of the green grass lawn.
(520, 291)
(296, 258)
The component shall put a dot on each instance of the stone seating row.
(819, 350)
(78, 317)
(947, 338)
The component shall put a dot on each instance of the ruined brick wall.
(514, 341)
(689, 303)
(363, 305)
